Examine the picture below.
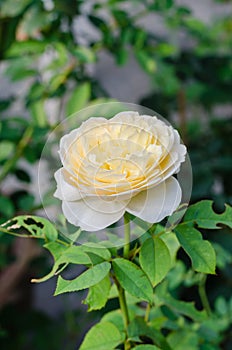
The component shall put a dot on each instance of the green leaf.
(138, 329)
(183, 339)
(6, 149)
(11, 8)
(121, 17)
(155, 259)
(75, 255)
(87, 279)
(126, 35)
(72, 254)
(173, 245)
(146, 347)
(56, 249)
(176, 275)
(78, 98)
(20, 69)
(99, 23)
(96, 252)
(62, 56)
(35, 225)
(35, 21)
(37, 91)
(98, 294)
(38, 113)
(146, 62)
(102, 336)
(163, 297)
(200, 251)
(195, 24)
(6, 207)
(116, 318)
(57, 81)
(26, 202)
(23, 48)
(64, 255)
(161, 5)
(88, 255)
(133, 279)
(165, 77)
(212, 330)
(224, 256)
(140, 36)
(203, 215)
(165, 49)
(121, 56)
(221, 306)
(84, 54)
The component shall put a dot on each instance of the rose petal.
(125, 116)
(80, 213)
(69, 139)
(65, 191)
(106, 204)
(157, 202)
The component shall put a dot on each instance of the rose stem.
(203, 295)
(126, 248)
(148, 309)
(125, 314)
(123, 305)
(121, 291)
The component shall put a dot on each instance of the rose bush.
(118, 165)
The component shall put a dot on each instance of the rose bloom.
(118, 165)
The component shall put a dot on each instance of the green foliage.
(138, 329)
(203, 215)
(10, 8)
(64, 255)
(6, 207)
(190, 81)
(146, 62)
(163, 297)
(180, 340)
(166, 322)
(133, 279)
(38, 113)
(87, 279)
(200, 251)
(152, 252)
(146, 347)
(96, 252)
(78, 99)
(98, 294)
(36, 226)
(102, 336)
(114, 317)
(6, 149)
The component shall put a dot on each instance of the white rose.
(118, 165)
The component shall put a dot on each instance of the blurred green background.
(57, 57)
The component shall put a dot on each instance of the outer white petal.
(157, 202)
(68, 139)
(65, 143)
(81, 213)
(125, 116)
(65, 191)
